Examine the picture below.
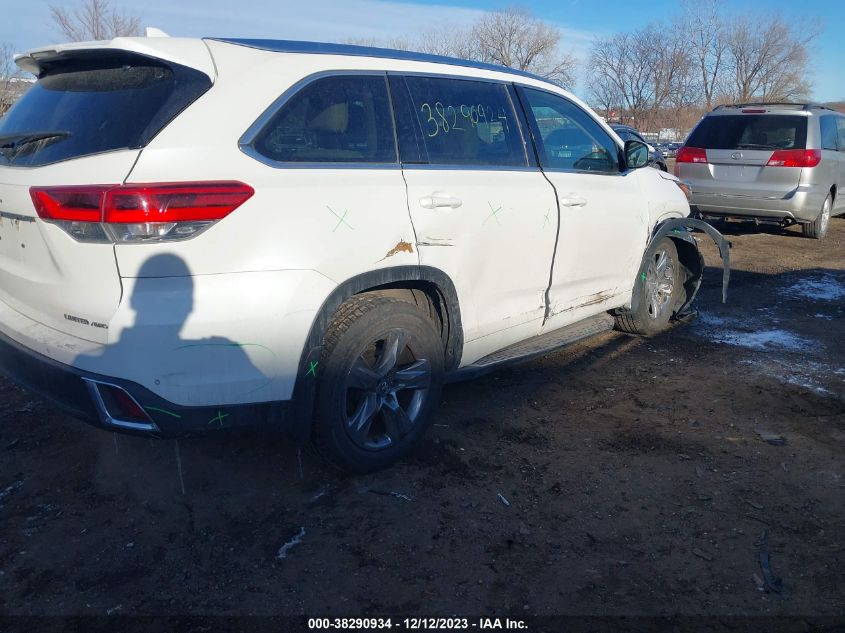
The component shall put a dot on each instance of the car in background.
(781, 163)
(655, 156)
(670, 150)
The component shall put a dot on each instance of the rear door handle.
(573, 200)
(440, 201)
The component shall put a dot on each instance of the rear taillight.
(795, 158)
(689, 155)
(138, 213)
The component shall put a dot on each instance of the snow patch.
(287, 547)
(818, 288)
(760, 339)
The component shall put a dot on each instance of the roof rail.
(805, 105)
(294, 46)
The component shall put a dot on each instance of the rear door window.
(338, 119)
(570, 138)
(750, 131)
(95, 103)
(830, 136)
(465, 122)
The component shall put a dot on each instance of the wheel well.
(833, 193)
(428, 297)
(693, 268)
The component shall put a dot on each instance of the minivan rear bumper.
(71, 389)
(802, 204)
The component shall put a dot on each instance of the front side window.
(340, 119)
(830, 136)
(570, 138)
(466, 122)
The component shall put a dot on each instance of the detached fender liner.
(679, 230)
(63, 386)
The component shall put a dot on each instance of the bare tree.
(94, 20)
(12, 80)
(643, 71)
(768, 58)
(706, 34)
(514, 38)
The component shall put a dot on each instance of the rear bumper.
(802, 204)
(68, 388)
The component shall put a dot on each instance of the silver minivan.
(780, 163)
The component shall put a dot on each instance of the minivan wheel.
(659, 287)
(817, 229)
(380, 381)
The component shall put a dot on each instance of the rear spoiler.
(189, 52)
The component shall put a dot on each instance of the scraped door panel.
(603, 213)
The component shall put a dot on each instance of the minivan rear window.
(750, 131)
(96, 103)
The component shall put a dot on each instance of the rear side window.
(465, 122)
(750, 131)
(830, 136)
(840, 126)
(92, 104)
(340, 119)
(570, 139)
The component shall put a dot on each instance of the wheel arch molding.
(424, 278)
(679, 230)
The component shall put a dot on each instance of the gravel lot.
(622, 476)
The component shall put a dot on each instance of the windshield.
(94, 103)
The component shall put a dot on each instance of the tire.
(380, 382)
(817, 229)
(660, 287)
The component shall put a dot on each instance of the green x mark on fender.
(341, 219)
(312, 368)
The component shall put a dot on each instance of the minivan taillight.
(691, 155)
(138, 213)
(795, 158)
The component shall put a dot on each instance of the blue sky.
(27, 24)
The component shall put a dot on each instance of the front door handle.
(440, 201)
(573, 200)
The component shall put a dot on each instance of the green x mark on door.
(493, 213)
(341, 219)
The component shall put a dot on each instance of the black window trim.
(247, 141)
(537, 139)
(530, 159)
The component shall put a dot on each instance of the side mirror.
(636, 154)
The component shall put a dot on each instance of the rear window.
(93, 104)
(465, 122)
(750, 131)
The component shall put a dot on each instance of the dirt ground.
(622, 476)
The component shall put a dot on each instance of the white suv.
(198, 234)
